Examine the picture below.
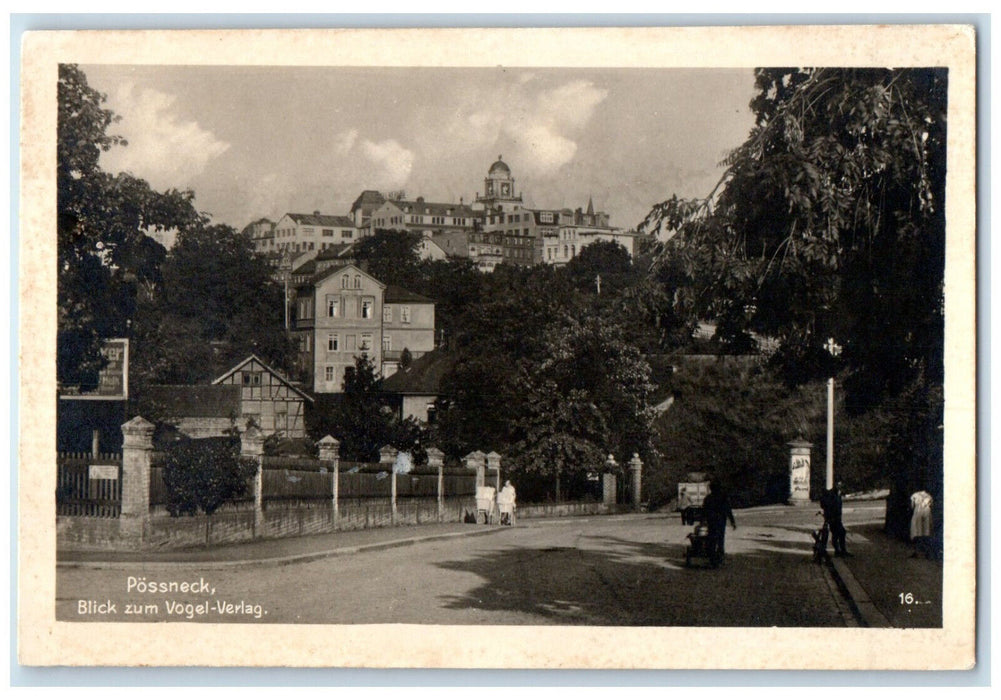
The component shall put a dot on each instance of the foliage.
(217, 304)
(105, 259)
(361, 420)
(732, 417)
(205, 474)
(830, 222)
(390, 256)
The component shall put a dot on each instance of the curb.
(863, 607)
(272, 561)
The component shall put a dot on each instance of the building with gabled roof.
(412, 391)
(343, 312)
(267, 398)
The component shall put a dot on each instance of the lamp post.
(835, 350)
(286, 268)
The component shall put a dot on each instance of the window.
(347, 233)
(328, 233)
(251, 378)
(350, 340)
(387, 314)
(366, 308)
(333, 307)
(365, 343)
(328, 373)
(344, 282)
(405, 314)
(387, 343)
(546, 217)
(357, 281)
(308, 230)
(333, 342)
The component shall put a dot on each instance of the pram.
(699, 548)
(485, 503)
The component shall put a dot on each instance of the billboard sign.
(113, 380)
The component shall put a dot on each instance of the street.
(611, 570)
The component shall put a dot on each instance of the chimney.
(316, 212)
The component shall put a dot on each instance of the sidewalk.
(888, 587)
(280, 551)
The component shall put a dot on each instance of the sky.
(256, 142)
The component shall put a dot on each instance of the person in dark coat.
(716, 508)
(831, 504)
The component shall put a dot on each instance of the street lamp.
(835, 350)
(286, 267)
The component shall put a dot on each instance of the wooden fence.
(83, 486)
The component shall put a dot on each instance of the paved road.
(618, 570)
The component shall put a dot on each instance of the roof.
(419, 206)
(368, 200)
(196, 401)
(335, 269)
(499, 166)
(316, 219)
(399, 295)
(423, 377)
(275, 373)
(334, 251)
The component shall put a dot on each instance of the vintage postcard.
(611, 348)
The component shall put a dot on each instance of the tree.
(217, 304)
(606, 261)
(104, 255)
(205, 474)
(390, 256)
(362, 421)
(829, 222)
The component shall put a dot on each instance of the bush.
(204, 474)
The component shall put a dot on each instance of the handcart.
(699, 549)
(485, 499)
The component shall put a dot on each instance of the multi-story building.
(426, 218)
(344, 312)
(300, 233)
(262, 235)
(366, 203)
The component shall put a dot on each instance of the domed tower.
(498, 186)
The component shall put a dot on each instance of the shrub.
(204, 474)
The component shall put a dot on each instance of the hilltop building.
(300, 233)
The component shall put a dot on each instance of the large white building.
(301, 233)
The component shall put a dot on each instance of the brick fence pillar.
(477, 460)
(252, 446)
(330, 455)
(137, 450)
(436, 460)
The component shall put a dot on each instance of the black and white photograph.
(409, 338)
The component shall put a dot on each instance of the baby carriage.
(699, 549)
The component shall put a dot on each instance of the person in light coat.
(506, 501)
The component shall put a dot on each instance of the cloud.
(541, 124)
(162, 147)
(393, 162)
(345, 141)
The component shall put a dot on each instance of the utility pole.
(835, 350)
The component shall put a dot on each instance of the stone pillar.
(137, 449)
(436, 460)
(494, 462)
(799, 472)
(252, 446)
(330, 455)
(636, 470)
(387, 460)
(476, 460)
